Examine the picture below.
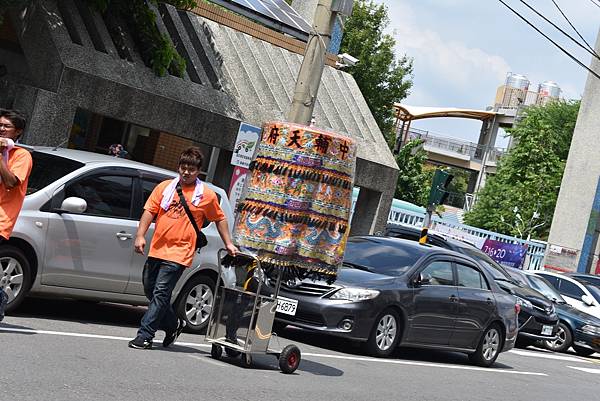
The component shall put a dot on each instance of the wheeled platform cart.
(241, 320)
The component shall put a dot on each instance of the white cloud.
(444, 66)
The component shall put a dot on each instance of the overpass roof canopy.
(408, 113)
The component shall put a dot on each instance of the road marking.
(549, 356)
(588, 370)
(341, 357)
(209, 360)
(428, 364)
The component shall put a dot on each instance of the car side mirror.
(421, 279)
(589, 301)
(72, 205)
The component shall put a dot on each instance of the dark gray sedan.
(393, 292)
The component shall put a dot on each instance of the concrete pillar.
(306, 9)
(573, 214)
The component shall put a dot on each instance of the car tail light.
(517, 308)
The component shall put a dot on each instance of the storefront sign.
(511, 255)
(245, 145)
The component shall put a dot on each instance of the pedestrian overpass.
(480, 158)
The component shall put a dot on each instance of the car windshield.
(594, 290)
(519, 276)
(543, 286)
(48, 168)
(384, 257)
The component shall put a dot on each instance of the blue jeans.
(159, 279)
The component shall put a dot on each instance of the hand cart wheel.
(216, 351)
(289, 359)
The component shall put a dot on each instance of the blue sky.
(462, 50)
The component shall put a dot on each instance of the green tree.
(520, 199)
(382, 78)
(414, 179)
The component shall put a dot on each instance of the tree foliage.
(414, 179)
(382, 78)
(520, 199)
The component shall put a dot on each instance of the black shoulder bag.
(201, 240)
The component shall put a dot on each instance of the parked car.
(579, 293)
(393, 292)
(592, 278)
(576, 328)
(538, 319)
(74, 236)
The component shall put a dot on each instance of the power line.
(593, 53)
(582, 38)
(551, 41)
(594, 3)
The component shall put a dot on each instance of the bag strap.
(187, 210)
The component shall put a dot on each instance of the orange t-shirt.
(11, 200)
(174, 236)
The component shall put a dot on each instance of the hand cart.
(241, 320)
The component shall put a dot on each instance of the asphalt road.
(72, 350)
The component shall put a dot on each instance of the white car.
(74, 236)
(578, 293)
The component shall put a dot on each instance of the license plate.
(287, 306)
(546, 330)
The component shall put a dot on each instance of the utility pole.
(311, 70)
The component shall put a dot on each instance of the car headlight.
(591, 329)
(354, 294)
(524, 303)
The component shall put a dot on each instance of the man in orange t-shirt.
(173, 245)
(15, 166)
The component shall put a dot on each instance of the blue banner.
(511, 255)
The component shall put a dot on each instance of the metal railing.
(472, 150)
(535, 249)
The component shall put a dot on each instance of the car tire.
(581, 351)
(385, 334)
(195, 303)
(489, 347)
(15, 273)
(563, 341)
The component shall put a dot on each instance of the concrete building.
(81, 79)
(573, 240)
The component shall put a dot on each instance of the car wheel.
(563, 341)
(15, 275)
(581, 351)
(489, 347)
(385, 334)
(196, 302)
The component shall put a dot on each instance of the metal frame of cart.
(241, 320)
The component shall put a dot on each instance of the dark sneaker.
(171, 337)
(140, 343)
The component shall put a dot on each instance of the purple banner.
(511, 255)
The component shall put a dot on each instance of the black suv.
(538, 319)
